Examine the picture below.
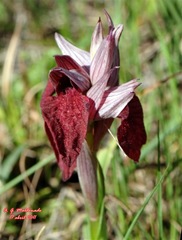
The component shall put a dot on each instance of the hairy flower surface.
(83, 96)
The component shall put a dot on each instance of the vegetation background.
(144, 200)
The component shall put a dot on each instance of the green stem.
(98, 228)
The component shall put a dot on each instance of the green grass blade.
(159, 212)
(25, 174)
(171, 127)
(9, 162)
(145, 204)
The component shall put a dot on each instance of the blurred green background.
(150, 49)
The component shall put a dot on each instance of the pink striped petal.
(117, 33)
(103, 59)
(80, 56)
(109, 21)
(97, 38)
(96, 92)
(115, 99)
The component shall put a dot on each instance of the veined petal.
(109, 21)
(78, 79)
(131, 133)
(69, 63)
(96, 92)
(115, 30)
(66, 118)
(80, 56)
(103, 59)
(114, 78)
(117, 33)
(115, 99)
(97, 38)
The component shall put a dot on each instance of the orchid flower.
(83, 97)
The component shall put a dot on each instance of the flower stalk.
(81, 100)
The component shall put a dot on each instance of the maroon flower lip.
(83, 94)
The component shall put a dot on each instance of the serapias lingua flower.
(83, 96)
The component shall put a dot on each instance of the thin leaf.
(9, 162)
(148, 198)
(25, 174)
